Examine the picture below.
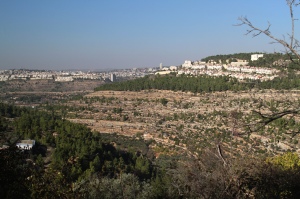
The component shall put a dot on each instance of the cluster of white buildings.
(123, 73)
(6, 75)
(238, 69)
(65, 76)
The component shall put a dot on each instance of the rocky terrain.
(187, 121)
(172, 121)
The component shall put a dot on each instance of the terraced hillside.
(192, 122)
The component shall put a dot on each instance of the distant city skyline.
(115, 34)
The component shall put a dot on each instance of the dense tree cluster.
(178, 83)
(201, 83)
(78, 153)
(229, 57)
(292, 81)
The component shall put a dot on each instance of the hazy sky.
(108, 34)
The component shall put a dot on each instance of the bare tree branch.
(291, 46)
(290, 4)
(221, 154)
(266, 119)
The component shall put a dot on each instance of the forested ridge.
(176, 83)
(199, 84)
(230, 57)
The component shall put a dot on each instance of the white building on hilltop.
(187, 64)
(173, 68)
(255, 57)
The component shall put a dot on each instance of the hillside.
(48, 85)
(161, 143)
(270, 60)
(190, 122)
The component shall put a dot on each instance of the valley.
(172, 121)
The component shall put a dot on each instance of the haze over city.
(98, 35)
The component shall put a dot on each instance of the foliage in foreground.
(83, 166)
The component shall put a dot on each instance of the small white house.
(255, 57)
(173, 68)
(26, 144)
(187, 64)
